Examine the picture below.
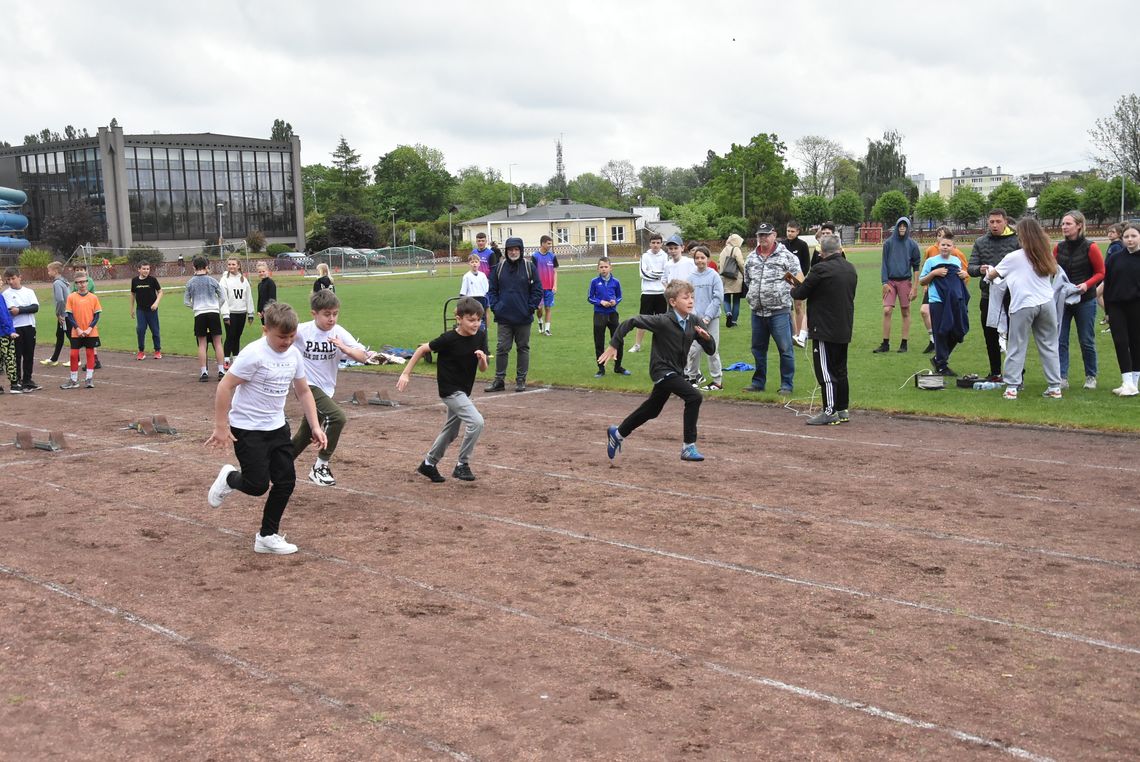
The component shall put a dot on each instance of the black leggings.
(266, 458)
(1124, 319)
(234, 328)
(651, 408)
(60, 337)
(25, 352)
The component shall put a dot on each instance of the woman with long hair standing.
(1122, 302)
(1082, 262)
(235, 290)
(1028, 274)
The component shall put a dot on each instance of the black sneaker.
(929, 348)
(98, 364)
(844, 416)
(221, 374)
(89, 383)
(520, 386)
(463, 472)
(17, 389)
(495, 386)
(902, 348)
(884, 347)
(431, 472)
(204, 378)
(30, 386)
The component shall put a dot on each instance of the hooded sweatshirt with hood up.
(901, 257)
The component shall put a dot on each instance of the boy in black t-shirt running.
(459, 353)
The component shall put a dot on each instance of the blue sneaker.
(613, 442)
(690, 452)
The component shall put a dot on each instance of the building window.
(591, 235)
(562, 235)
(617, 234)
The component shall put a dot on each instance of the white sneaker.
(1064, 383)
(635, 348)
(322, 476)
(220, 488)
(1126, 390)
(798, 340)
(274, 543)
(1090, 382)
(1001, 342)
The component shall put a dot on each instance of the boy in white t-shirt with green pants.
(249, 411)
(323, 343)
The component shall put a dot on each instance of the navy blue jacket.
(515, 291)
(604, 291)
(955, 298)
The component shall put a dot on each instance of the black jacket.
(990, 250)
(830, 292)
(670, 344)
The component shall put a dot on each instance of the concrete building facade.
(982, 179)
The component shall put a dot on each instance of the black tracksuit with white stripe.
(829, 289)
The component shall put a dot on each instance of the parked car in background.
(374, 257)
(341, 256)
(293, 260)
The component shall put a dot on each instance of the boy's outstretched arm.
(309, 405)
(223, 398)
(356, 353)
(406, 377)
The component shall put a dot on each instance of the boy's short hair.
(468, 305)
(201, 263)
(79, 268)
(827, 226)
(55, 267)
(281, 316)
(474, 258)
(325, 299)
(677, 287)
(998, 211)
(10, 271)
(793, 224)
(655, 237)
(603, 259)
(946, 233)
(481, 235)
(546, 239)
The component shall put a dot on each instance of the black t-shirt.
(799, 247)
(323, 282)
(145, 291)
(456, 363)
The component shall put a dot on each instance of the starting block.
(378, 398)
(156, 424)
(54, 443)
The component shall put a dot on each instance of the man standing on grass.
(988, 251)
(514, 294)
(901, 260)
(770, 298)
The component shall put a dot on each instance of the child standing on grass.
(673, 334)
(22, 306)
(235, 290)
(708, 296)
(322, 343)
(475, 283)
(546, 263)
(948, 299)
(60, 289)
(204, 296)
(459, 355)
(249, 410)
(146, 293)
(82, 315)
(266, 290)
(605, 295)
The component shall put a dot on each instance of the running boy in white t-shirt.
(323, 344)
(249, 410)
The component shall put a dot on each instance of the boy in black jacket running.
(673, 334)
(830, 293)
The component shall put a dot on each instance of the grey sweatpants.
(519, 335)
(693, 366)
(460, 409)
(1042, 319)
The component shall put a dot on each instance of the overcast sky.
(492, 83)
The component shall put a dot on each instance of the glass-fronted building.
(162, 189)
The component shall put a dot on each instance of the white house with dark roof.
(567, 222)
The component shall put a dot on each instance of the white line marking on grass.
(296, 687)
(673, 655)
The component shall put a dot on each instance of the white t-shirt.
(652, 270)
(320, 355)
(474, 284)
(259, 403)
(22, 297)
(679, 270)
(1026, 287)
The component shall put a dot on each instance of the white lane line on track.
(648, 648)
(296, 687)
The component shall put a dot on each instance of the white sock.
(90, 374)
(1135, 378)
(321, 462)
(203, 370)
(74, 375)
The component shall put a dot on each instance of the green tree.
(966, 206)
(347, 180)
(818, 157)
(847, 208)
(1111, 196)
(1009, 197)
(759, 168)
(414, 180)
(351, 230)
(810, 210)
(931, 207)
(588, 188)
(847, 177)
(883, 164)
(78, 225)
(653, 179)
(890, 206)
(726, 226)
(696, 219)
(1116, 138)
(282, 131)
(1092, 199)
(1055, 199)
(621, 175)
(480, 191)
(317, 188)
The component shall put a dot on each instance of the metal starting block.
(54, 443)
(378, 398)
(156, 424)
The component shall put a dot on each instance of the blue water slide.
(12, 197)
(10, 222)
(13, 244)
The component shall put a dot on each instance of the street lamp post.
(218, 208)
(450, 238)
(511, 184)
(392, 245)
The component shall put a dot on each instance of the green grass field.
(405, 311)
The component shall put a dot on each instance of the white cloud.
(495, 83)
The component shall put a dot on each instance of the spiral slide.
(11, 221)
